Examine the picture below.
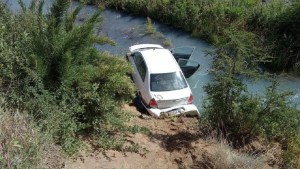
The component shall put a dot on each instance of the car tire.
(138, 104)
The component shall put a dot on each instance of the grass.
(151, 30)
(223, 156)
(150, 27)
(22, 145)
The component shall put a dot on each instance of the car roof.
(159, 60)
(144, 46)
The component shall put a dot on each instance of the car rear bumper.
(189, 109)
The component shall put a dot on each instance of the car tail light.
(191, 99)
(153, 103)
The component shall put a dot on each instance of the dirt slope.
(174, 143)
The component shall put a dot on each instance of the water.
(127, 30)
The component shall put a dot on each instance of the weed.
(150, 30)
(137, 129)
(149, 26)
(167, 42)
(22, 145)
(224, 157)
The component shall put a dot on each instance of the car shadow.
(178, 141)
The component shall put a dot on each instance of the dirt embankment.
(174, 143)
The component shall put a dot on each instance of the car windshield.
(167, 81)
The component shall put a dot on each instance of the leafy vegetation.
(20, 143)
(229, 107)
(51, 70)
(284, 41)
(240, 116)
(274, 21)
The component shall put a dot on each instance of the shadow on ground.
(181, 140)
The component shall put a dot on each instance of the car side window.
(140, 64)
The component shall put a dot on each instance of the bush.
(284, 40)
(232, 111)
(274, 21)
(278, 118)
(50, 69)
(228, 107)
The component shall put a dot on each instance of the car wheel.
(138, 104)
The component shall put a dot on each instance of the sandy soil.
(174, 143)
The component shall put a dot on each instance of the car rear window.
(167, 81)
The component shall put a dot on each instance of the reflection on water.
(127, 30)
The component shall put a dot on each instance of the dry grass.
(225, 157)
(21, 143)
(222, 156)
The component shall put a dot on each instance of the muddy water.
(127, 30)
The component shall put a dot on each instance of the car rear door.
(140, 70)
(182, 56)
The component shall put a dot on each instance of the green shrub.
(274, 21)
(16, 71)
(88, 87)
(233, 112)
(283, 41)
(279, 119)
(50, 69)
(56, 116)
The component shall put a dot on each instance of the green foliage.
(88, 87)
(103, 88)
(137, 129)
(110, 131)
(50, 69)
(233, 112)
(284, 40)
(149, 26)
(229, 108)
(279, 119)
(60, 46)
(291, 156)
(21, 143)
(15, 66)
(56, 116)
(275, 21)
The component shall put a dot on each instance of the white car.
(160, 82)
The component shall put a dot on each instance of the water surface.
(127, 30)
